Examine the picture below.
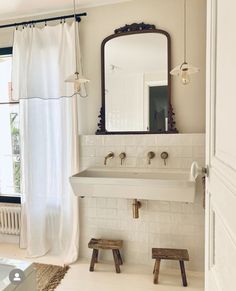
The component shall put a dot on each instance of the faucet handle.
(150, 156)
(122, 157)
(164, 156)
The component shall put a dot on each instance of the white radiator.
(10, 217)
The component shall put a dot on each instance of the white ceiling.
(20, 8)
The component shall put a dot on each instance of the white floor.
(132, 278)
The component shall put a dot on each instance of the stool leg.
(183, 274)
(93, 260)
(119, 257)
(154, 267)
(156, 271)
(116, 260)
(96, 259)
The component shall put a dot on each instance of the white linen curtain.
(42, 60)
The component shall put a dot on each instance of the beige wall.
(188, 101)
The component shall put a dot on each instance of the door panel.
(221, 147)
(225, 127)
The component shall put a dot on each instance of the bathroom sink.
(129, 183)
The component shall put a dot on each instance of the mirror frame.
(135, 28)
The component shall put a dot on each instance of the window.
(9, 130)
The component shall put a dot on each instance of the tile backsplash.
(161, 224)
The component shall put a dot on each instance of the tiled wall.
(161, 224)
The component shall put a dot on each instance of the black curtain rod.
(44, 20)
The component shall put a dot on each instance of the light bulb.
(77, 87)
(77, 79)
(185, 78)
(184, 71)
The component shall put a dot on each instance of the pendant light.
(184, 70)
(76, 78)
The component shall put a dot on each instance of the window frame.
(7, 198)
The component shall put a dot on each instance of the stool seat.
(170, 254)
(180, 255)
(106, 244)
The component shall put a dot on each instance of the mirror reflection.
(136, 83)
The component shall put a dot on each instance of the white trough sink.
(129, 183)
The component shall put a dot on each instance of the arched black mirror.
(136, 84)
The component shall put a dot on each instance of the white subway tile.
(154, 227)
(180, 151)
(82, 140)
(138, 226)
(89, 140)
(165, 228)
(198, 151)
(159, 206)
(131, 151)
(111, 203)
(128, 162)
(146, 140)
(111, 140)
(122, 204)
(163, 140)
(86, 162)
(185, 163)
(154, 240)
(176, 207)
(98, 162)
(130, 140)
(89, 202)
(101, 202)
(141, 163)
(138, 237)
(198, 139)
(88, 151)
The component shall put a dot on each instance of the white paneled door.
(221, 147)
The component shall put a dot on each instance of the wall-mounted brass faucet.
(164, 156)
(122, 157)
(110, 155)
(150, 156)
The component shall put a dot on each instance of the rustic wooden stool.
(105, 244)
(170, 254)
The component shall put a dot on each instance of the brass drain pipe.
(136, 206)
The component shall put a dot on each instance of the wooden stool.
(104, 244)
(170, 254)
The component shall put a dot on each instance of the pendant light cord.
(185, 31)
(76, 49)
(76, 39)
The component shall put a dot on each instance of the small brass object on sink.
(136, 206)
